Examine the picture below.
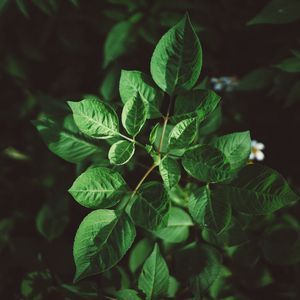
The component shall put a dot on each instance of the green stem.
(132, 141)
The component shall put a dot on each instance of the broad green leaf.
(170, 172)
(151, 208)
(209, 210)
(121, 152)
(278, 12)
(134, 115)
(236, 147)
(183, 134)
(281, 245)
(173, 287)
(136, 83)
(95, 118)
(154, 278)
(102, 239)
(64, 139)
(258, 190)
(198, 264)
(96, 187)
(212, 123)
(127, 294)
(177, 230)
(52, 219)
(177, 59)
(138, 254)
(291, 65)
(207, 164)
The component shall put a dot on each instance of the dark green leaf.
(177, 59)
(96, 187)
(102, 239)
(170, 172)
(291, 65)
(154, 279)
(127, 294)
(121, 152)
(95, 118)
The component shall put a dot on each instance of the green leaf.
(3, 3)
(281, 245)
(198, 264)
(258, 190)
(109, 86)
(183, 134)
(22, 5)
(96, 187)
(102, 239)
(127, 294)
(177, 59)
(136, 83)
(170, 172)
(138, 254)
(207, 164)
(121, 152)
(64, 139)
(290, 65)
(151, 208)
(209, 210)
(177, 230)
(154, 278)
(173, 287)
(236, 147)
(134, 115)
(212, 123)
(278, 12)
(52, 219)
(95, 118)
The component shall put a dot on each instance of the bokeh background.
(52, 51)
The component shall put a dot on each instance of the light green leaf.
(258, 190)
(134, 115)
(95, 118)
(127, 294)
(134, 83)
(170, 172)
(236, 147)
(183, 134)
(121, 152)
(154, 279)
(207, 164)
(151, 208)
(64, 139)
(177, 59)
(290, 65)
(97, 187)
(138, 254)
(278, 12)
(177, 230)
(173, 287)
(102, 239)
(208, 210)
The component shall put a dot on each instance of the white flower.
(256, 151)
(227, 83)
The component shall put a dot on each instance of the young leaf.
(102, 239)
(134, 115)
(96, 187)
(121, 152)
(127, 294)
(177, 230)
(258, 190)
(94, 118)
(64, 139)
(170, 172)
(136, 83)
(208, 210)
(236, 147)
(278, 12)
(207, 164)
(177, 59)
(154, 279)
(151, 208)
(138, 254)
(183, 134)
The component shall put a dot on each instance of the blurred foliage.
(52, 51)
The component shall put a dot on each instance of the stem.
(132, 140)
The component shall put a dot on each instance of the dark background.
(50, 54)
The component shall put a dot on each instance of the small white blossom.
(256, 151)
(227, 83)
